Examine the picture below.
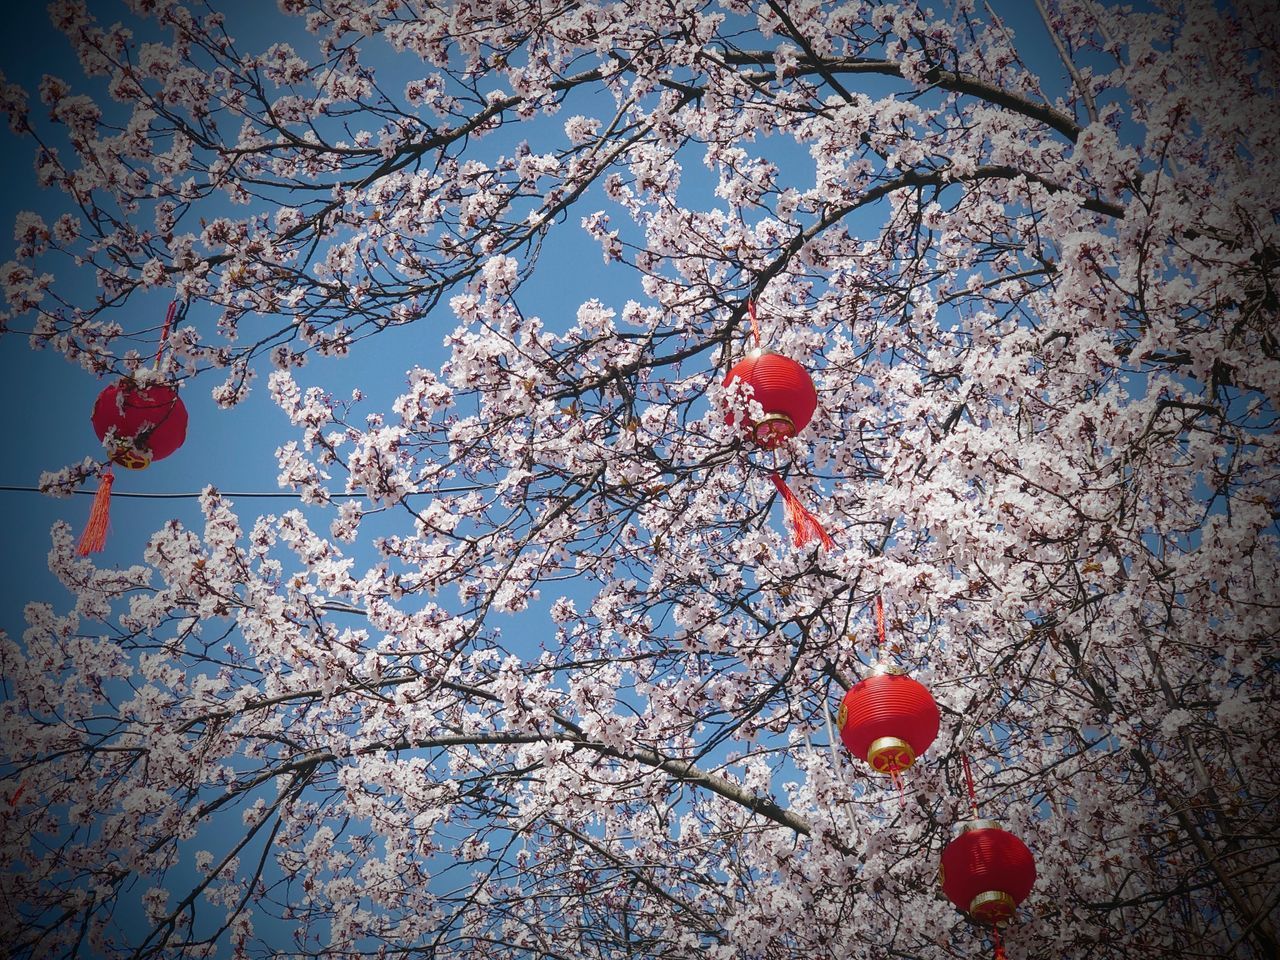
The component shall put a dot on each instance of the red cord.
(880, 620)
(999, 944)
(755, 324)
(896, 776)
(164, 332)
(968, 776)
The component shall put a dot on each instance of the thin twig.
(1089, 105)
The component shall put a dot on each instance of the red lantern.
(142, 424)
(784, 391)
(146, 423)
(888, 719)
(987, 871)
(787, 396)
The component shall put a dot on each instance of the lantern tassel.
(896, 776)
(805, 527)
(94, 537)
(999, 944)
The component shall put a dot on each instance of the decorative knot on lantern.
(888, 719)
(787, 398)
(987, 871)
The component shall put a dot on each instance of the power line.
(115, 494)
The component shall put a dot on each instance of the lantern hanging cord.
(881, 642)
(170, 316)
(896, 776)
(968, 779)
(755, 324)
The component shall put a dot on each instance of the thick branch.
(952, 80)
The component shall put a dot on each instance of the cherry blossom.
(528, 666)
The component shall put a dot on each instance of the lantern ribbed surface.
(149, 422)
(888, 707)
(983, 863)
(784, 391)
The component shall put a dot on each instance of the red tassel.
(805, 527)
(995, 936)
(94, 537)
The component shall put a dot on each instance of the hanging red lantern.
(788, 398)
(145, 423)
(888, 719)
(987, 871)
(784, 391)
(142, 424)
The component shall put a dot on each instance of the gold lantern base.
(130, 457)
(993, 906)
(890, 755)
(773, 429)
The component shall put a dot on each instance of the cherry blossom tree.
(571, 692)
